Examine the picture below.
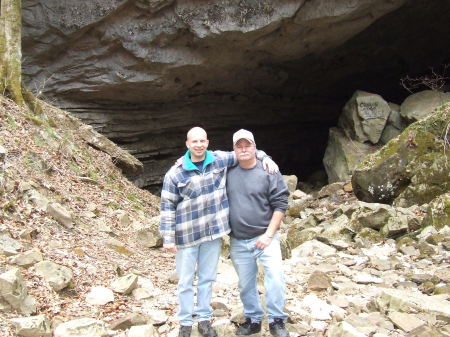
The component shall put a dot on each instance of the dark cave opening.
(288, 98)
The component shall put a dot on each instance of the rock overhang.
(143, 73)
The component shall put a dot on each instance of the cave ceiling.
(143, 72)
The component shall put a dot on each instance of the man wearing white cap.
(194, 218)
(257, 202)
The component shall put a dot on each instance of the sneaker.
(248, 328)
(185, 331)
(278, 329)
(206, 330)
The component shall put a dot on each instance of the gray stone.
(405, 301)
(339, 229)
(33, 326)
(40, 201)
(9, 246)
(406, 322)
(330, 189)
(126, 284)
(421, 104)
(14, 292)
(60, 214)
(100, 296)
(389, 133)
(291, 182)
(344, 329)
(312, 248)
(297, 194)
(372, 215)
(297, 237)
(367, 236)
(395, 118)
(443, 274)
(82, 327)
(57, 276)
(364, 116)
(319, 281)
(157, 316)
(128, 321)
(28, 258)
(142, 293)
(343, 155)
(395, 226)
(295, 206)
(148, 235)
(141, 331)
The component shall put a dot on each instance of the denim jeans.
(203, 259)
(244, 256)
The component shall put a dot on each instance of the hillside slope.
(46, 160)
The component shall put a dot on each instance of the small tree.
(11, 55)
(11, 49)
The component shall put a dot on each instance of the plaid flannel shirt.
(194, 203)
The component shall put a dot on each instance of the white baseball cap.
(243, 134)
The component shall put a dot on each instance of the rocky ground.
(80, 256)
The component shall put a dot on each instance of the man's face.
(197, 142)
(245, 150)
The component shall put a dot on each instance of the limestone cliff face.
(142, 72)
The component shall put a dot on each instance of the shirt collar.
(188, 165)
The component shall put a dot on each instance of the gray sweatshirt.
(253, 195)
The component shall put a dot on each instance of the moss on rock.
(413, 168)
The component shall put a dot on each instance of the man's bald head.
(196, 132)
(197, 143)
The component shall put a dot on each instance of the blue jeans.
(244, 256)
(202, 258)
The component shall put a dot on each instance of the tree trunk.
(11, 49)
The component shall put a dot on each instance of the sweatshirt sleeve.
(170, 197)
(278, 192)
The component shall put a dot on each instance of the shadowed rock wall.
(144, 72)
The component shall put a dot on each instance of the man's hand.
(263, 241)
(269, 165)
(170, 248)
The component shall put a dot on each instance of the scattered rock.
(100, 296)
(9, 246)
(319, 281)
(60, 214)
(82, 327)
(33, 326)
(14, 292)
(57, 276)
(128, 321)
(125, 285)
(28, 258)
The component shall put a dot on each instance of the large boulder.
(413, 168)
(364, 116)
(421, 104)
(394, 125)
(343, 155)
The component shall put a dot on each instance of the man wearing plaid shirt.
(194, 217)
